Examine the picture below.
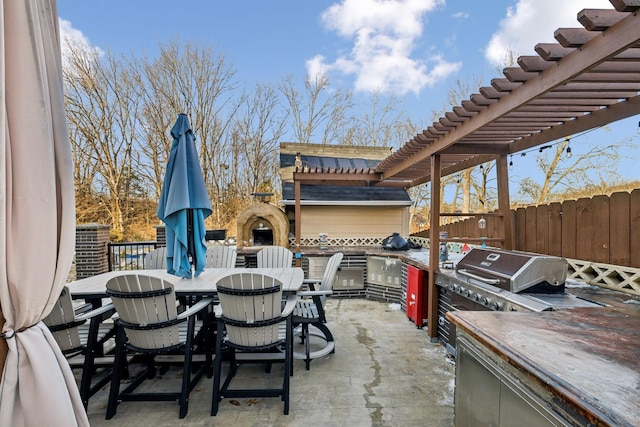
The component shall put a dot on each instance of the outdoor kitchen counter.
(585, 358)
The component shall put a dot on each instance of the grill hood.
(513, 271)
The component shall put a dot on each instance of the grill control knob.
(497, 306)
(463, 291)
(476, 297)
(485, 301)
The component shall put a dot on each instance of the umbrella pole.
(191, 249)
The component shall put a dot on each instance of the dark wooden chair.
(309, 311)
(83, 335)
(149, 325)
(254, 327)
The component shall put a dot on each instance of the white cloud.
(72, 36)
(383, 34)
(534, 21)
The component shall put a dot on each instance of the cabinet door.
(394, 272)
(376, 270)
(384, 271)
(477, 393)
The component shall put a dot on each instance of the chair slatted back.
(62, 323)
(330, 274)
(274, 257)
(251, 306)
(146, 307)
(221, 257)
(156, 259)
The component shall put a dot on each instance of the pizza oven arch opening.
(262, 224)
(263, 233)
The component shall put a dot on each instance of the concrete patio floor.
(384, 372)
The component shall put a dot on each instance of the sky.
(414, 49)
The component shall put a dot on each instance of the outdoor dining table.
(93, 289)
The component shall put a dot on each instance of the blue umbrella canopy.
(184, 204)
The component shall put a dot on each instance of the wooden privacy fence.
(600, 229)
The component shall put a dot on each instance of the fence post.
(91, 249)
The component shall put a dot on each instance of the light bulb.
(569, 152)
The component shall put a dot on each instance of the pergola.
(590, 78)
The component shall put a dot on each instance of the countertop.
(587, 358)
(417, 257)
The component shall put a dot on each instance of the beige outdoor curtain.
(37, 217)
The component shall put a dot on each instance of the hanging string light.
(511, 163)
(566, 139)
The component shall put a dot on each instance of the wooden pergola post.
(298, 222)
(502, 172)
(434, 243)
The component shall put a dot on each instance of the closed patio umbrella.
(37, 217)
(184, 204)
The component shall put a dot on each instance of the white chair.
(156, 259)
(309, 311)
(82, 342)
(148, 324)
(221, 256)
(254, 327)
(274, 257)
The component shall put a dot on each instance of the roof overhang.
(385, 203)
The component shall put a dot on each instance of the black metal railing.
(128, 255)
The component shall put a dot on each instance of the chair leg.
(186, 381)
(217, 370)
(118, 364)
(85, 380)
(288, 363)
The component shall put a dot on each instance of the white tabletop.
(204, 284)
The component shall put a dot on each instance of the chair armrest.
(197, 307)
(96, 312)
(290, 305)
(312, 293)
(310, 283)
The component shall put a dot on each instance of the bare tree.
(259, 127)
(596, 167)
(192, 80)
(318, 112)
(381, 126)
(101, 109)
(459, 91)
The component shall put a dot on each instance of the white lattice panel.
(616, 277)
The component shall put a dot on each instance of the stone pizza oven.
(262, 224)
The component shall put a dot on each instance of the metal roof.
(590, 78)
(326, 195)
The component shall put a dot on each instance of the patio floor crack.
(365, 339)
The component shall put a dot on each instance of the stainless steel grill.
(514, 271)
(500, 280)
